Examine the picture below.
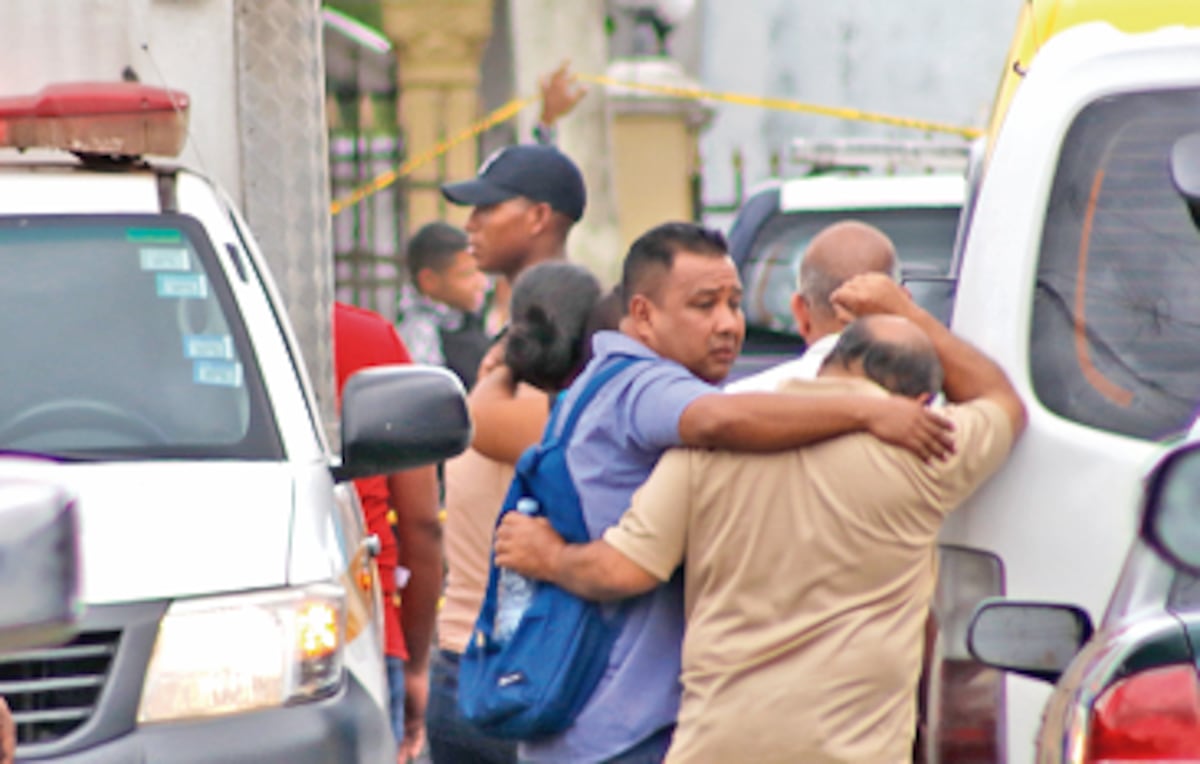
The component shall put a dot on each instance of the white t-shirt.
(805, 367)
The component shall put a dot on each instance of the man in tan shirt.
(808, 574)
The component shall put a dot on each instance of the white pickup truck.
(150, 370)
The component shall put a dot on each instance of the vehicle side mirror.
(39, 566)
(1185, 172)
(1171, 513)
(1036, 639)
(399, 417)
(933, 293)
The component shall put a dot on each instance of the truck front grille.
(53, 691)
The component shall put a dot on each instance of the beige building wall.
(655, 157)
(655, 144)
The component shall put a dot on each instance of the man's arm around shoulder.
(969, 374)
(593, 571)
(636, 555)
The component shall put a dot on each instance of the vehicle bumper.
(348, 726)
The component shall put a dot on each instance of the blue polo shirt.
(617, 442)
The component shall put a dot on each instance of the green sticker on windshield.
(153, 235)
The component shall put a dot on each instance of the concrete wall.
(928, 59)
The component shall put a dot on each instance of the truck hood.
(156, 530)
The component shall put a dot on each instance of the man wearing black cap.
(526, 199)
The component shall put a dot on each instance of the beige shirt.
(808, 578)
(475, 488)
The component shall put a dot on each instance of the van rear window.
(121, 340)
(1115, 340)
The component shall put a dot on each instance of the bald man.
(836, 254)
(807, 574)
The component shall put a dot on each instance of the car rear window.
(1115, 341)
(121, 339)
(924, 239)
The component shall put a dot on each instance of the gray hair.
(816, 284)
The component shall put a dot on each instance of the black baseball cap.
(534, 171)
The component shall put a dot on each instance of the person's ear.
(800, 312)
(428, 281)
(640, 316)
(540, 217)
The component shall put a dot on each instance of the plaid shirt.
(419, 319)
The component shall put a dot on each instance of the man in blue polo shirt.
(683, 316)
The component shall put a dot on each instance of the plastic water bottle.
(514, 591)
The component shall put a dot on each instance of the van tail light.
(97, 118)
(962, 699)
(1151, 716)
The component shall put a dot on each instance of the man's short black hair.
(434, 247)
(654, 253)
(907, 369)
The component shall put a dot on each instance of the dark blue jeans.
(395, 675)
(453, 739)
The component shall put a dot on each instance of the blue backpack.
(536, 683)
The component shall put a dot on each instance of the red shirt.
(361, 339)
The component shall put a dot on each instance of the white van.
(1081, 277)
(150, 370)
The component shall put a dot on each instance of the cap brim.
(475, 193)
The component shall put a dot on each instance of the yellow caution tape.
(513, 107)
(502, 114)
(783, 104)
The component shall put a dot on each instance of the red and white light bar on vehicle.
(115, 119)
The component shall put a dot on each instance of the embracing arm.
(652, 531)
(969, 373)
(593, 571)
(508, 418)
(778, 421)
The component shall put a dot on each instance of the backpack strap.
(598, 380)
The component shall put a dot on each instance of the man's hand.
(910, 424)
(416, 698)
(8, 735)
(560, 93)
(870, 293)
(528, 545)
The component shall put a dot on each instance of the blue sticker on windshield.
(184, 285)
(218, 346)
(164, 259)
(219, 373)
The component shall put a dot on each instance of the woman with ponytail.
(555, 308)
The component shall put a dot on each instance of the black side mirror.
(1036, 639)
(933, 293)
(399, 417)
(1171, 513)
(39, 566)
(1185, 172)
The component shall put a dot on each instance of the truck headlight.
(220, 655)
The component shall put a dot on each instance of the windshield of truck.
(1115, 340)
(120, 340)
(924, 239)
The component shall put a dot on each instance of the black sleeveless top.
(464, 348)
